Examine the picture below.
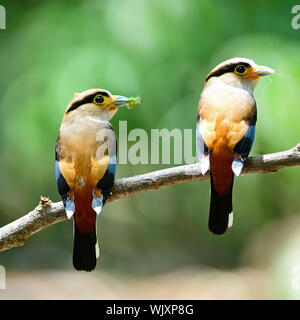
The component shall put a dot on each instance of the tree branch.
(47, 213)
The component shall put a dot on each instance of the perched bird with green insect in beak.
(85, 165)
(225, 131)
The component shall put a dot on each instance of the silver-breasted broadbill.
(85, 166)
(225, 131)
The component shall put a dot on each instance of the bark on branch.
(47, 212)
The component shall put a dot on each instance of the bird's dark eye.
(240, 69)
(99, 99)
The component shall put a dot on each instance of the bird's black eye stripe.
(87, 99)
(103, 93)
(227, 68)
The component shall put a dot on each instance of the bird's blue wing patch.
(243, 147)
(242, 150)
(64, 191)
(62, 185)
(200, 144)
(202, 151)
(106, 183)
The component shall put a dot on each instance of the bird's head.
(99, 103)
(238, 72)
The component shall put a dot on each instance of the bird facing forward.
(85, 166)
(225, 131)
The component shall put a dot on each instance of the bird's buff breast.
(80, 160)
(224, 112)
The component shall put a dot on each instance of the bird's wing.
(63, 187)
(243, 147)
(205, 135)
(240, 139)
(65, 177)
(103, 171)
(104, 186)
(201, 146)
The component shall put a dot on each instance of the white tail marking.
(204, 164)
(70, 208)
(97, 204)
(230, 221)
(237, 167)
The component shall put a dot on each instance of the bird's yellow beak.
(263, 71)
(120, 101)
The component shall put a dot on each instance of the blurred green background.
(161, 50)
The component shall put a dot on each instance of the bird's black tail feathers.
(84, 250)
(220, 208)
